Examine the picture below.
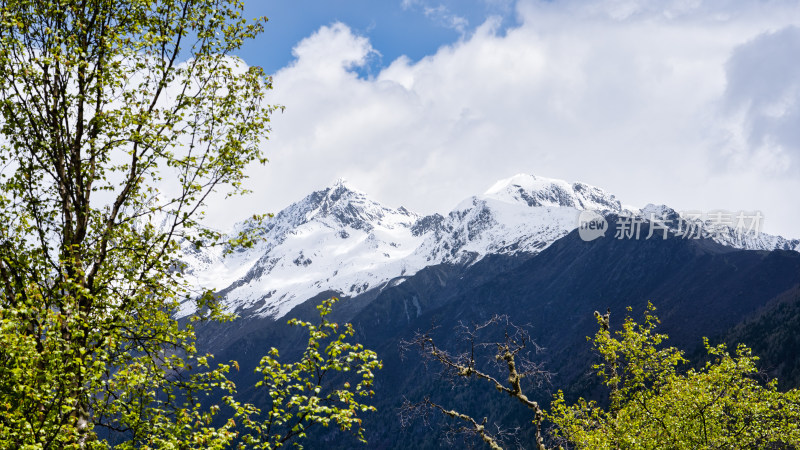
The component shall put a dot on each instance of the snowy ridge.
(724, 234)
(539, 191)
(337, 239)
(523, 213)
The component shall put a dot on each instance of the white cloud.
(439, 13)
(687, 102)
(329, 53)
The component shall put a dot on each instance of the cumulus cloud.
(651, 100)
(330, 53)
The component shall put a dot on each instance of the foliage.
(300, 395)
(653, 404)
(119, 120)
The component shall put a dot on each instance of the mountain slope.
(772, 334)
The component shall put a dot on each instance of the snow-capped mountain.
(337, 239)
(334, 239)
(523, 213)
(720, 226)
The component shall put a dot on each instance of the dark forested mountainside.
(774, 335)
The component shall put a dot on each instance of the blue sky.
(395, 28)
(422, 103)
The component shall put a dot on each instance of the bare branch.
(511, 355)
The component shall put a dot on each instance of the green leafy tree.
(654, 404)
(301, 395)
(118, 120)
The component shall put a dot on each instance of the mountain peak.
(346, 206)
(341, 186)
(342, 182)
(521, 180)
(541, 191)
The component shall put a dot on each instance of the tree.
(301, 395)
(653, 401)
(119, 120)
(511, 355)
(653, 404)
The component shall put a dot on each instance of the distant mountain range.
(515, 250)
(338, 240)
